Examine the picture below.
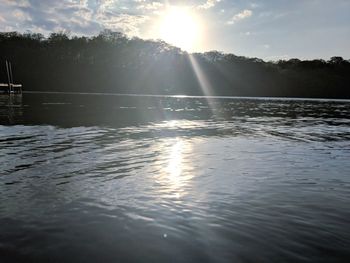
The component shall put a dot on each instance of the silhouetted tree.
(112, 62)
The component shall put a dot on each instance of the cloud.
(255, 5)
(208, 4)
(108, 16)
(18, 3)
(44, 16)
(104, 5)
(75, 16)
(126, 23)
(21, 16)
(150, 6)
(240, 16)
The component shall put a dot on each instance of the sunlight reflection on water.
(261, 181)
(172, 169)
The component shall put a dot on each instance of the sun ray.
(201, 77)
(205, 85)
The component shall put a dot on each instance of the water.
(93, 178)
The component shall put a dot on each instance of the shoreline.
(185, 96)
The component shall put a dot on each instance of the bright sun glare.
(180, 27)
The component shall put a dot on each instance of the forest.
(111, 62)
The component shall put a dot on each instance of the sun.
(180, 27)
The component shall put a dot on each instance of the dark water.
(89, 178)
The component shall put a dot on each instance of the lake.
(111, 178)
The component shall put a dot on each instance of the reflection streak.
(175, 172)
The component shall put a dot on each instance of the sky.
(270, 29)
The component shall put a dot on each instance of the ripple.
(262, 181)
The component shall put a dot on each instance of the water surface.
(93, 178)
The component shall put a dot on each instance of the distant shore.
(186, 96)
(111, 63)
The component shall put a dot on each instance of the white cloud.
(208, 4)
(255, 5)
(128, 24)
(106, 4)
(150, 6)
(111, 16)
(240, 16)
(75, 16)
(21, 16)
(18, 3)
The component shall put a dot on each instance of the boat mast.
(11, 76)
(8, 75)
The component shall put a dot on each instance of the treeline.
(112, 62)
